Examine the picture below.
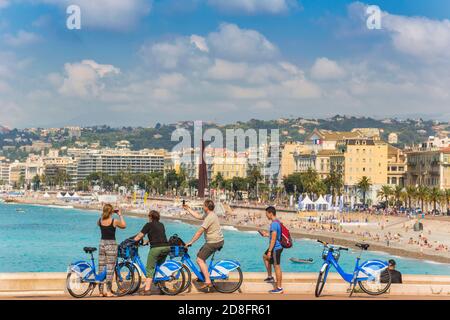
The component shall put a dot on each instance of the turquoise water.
(48, 239)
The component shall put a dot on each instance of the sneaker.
(277, 290)
(269, 280)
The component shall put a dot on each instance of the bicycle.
(372, 276)
(219, 272)
(82, 277)
(169, 276)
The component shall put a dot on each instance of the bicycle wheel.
(321, 281)
(76, 287)
(378, 282)
(175, 285)
(188, 282)
(124, 279)
(137, 280)
(231, 284)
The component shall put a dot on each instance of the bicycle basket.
(336, 253)
(177, 251)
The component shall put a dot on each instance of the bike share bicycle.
(226, 275)
(372, 276)
(82, 277)
(170, 276)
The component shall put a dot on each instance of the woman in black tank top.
(108, 232)
(107, 253)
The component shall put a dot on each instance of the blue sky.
(138, 62)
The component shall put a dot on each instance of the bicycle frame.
(219, 270)
(87, 271)
(163, 272)
(350, 277)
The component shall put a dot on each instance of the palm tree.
(422, 195)
(334, 183)
(384, 193)
(397, 192)
(411, 192)
(309, 180)
(447, 198)
(435, 195)
(363, 186)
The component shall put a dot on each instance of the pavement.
(237, 296)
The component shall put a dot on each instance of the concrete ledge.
(36, 284)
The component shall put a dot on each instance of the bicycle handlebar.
(326, 244)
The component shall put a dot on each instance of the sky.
(140, 62)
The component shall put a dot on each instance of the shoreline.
(334, 238)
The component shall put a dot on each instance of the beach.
(390, 234)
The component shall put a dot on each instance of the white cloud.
(253, 6)
(226, 70)
(420, 37)
(326, 69)
(82, 79)
(22, 38)
(108, 14)
(232, 42)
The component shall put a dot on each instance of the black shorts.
(208, 249)
(275, 258)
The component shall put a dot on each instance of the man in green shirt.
(213, 237)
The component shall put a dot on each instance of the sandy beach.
(390, 234)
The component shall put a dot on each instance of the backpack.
(175, 240)
(286, 239)
(127, 249)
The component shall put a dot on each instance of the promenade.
(297, 286)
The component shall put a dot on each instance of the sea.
(47, 239)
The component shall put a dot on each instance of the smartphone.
(184, 202)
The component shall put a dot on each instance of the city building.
(393, 138)
(228, 163)
(436, 142)
(288, 163)
(328, 140)
(429, 167)
(397, 167)
(114, 161)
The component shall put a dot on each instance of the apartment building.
(429, 167)
(365, 157)
(114, 161)
(397, 167)
(288, 163)
(228, 163)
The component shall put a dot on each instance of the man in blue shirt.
(272, 256)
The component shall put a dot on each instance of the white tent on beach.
(59, 196)
(307, 203)
(321, 204)
(46, 195)
(67, 196)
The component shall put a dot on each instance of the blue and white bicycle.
(82, 277)
(372, 276)
(226, 275)
(170, 276)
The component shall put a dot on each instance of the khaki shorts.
(208, 249)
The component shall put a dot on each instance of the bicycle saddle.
(89, 249)
(363, 246)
